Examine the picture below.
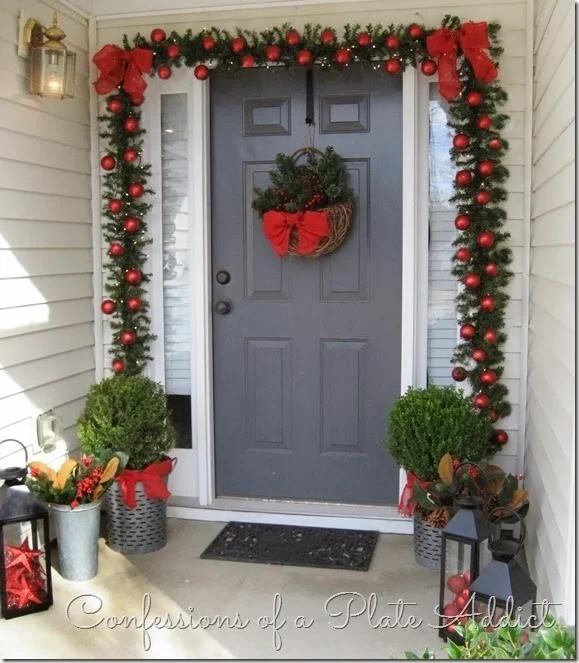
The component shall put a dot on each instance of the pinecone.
(439, 517)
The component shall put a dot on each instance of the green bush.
(424, 424)
(127, 414)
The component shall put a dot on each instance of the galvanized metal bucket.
(77, 533)
(427, 544)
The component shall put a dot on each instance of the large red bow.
(118, 66)
(407, 504)
(152, 480)
(472, 39)
(312, 227)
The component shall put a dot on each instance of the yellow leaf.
(110, 470)
(495, 485)
(518, 499)
(42, 468)
(446, 469)
(98, 493)
(65, 471)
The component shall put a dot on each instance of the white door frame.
(199, 462)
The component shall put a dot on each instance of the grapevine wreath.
(307, 210)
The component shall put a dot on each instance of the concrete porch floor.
(180, 583)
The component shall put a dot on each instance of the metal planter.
(427, 544)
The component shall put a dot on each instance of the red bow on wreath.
(118, 66)
(311, 227)
(472, 39)
(152, 480)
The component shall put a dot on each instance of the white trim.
(77, 10)
(97, 240)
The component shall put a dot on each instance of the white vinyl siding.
(550, 452)
(46, 294)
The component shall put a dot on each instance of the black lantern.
(504, 590)
(25, 571)
(460, 560)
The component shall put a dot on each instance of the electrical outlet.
(49, 431)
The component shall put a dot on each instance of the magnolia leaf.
(43, 469)
(110, 470)
(98, 493)
(123, 460)
(64, 472)
(423, 498)
(495, 479)
(519, 498)
(446, 469)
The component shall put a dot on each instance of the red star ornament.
(21, 555)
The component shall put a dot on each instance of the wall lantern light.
(52, 65)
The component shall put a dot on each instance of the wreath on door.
(307, 209)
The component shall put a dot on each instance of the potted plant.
(423, 426)
(73, 494)
(130, 413)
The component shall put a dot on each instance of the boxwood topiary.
(424, 424)
(128, 414)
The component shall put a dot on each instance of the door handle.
(223, 277)
(223, 307)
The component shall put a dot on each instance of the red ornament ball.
(461, 141)
(108, 162)
(237, 45)
(115, 206)
(208, 43)
(393, 66)
(364, 39)
(491, 336)
(343, 56)
(485, 239)
(462, 599)
(483, 197)
(487, 303)
(130, 155)
(158, 35)
(463, 178)
(484, 122)
(272, 53)
(495, 144)
(451, 610)
(293, 38)
(429, 67)
(467, 331)
(459, 374)
(131, 124)
(488, 377)
(138, 101)
(479, 355)
(486, 168)
(136, 190)
(116, 249)
(415, 31)
(247, 61)
(134, 303)
(127, 337)
(173, 51)
(131, 225)
(491, 270)
(164, 72)
(471, 281)
(474, 99)
(494, 416)
(328, 37)
(463, 254)
(392, 41)
(115, 105)
(201, 72)
(468, 577)
(502, 437)
(118, 365)
(108, 307)
(133, 276)
(462, 222)
(456, 584)
(481, 401)
(304, 58)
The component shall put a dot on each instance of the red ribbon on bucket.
(151, 478)
(406, 504)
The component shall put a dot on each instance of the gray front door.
(307, 361)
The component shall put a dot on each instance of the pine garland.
(482, 258)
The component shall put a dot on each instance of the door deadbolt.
(223, 277)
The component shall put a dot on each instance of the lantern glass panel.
(458, 567)
(52, 72)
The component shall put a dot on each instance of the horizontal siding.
(550, 426)
(46, 310)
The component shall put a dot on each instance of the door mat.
(293, 546)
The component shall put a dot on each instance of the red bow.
(406, 504)
(152, 480)
(311, 227)
(118, 66)
(472, 39)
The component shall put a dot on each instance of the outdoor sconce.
(460, 561)
(52, 66)
(504, 588)
(25, 570)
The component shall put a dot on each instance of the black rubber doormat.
(293, 546)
